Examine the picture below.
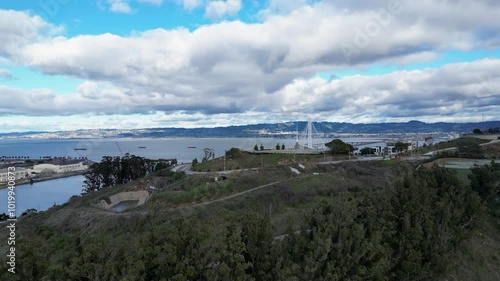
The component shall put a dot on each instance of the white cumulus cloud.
(246, 69)
(152, 2)
(190, 4)
(120, 6)
(221, 8)
(5, 75)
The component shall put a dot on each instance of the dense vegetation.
(466, 148)
(237, 159)
(485, 181)
(367, 151)
(407, 230)
(489, 131)
(337, 146)
(119, 170)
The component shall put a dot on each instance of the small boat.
(80, 148)
(142, 147)
(191, 146)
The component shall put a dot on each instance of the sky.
(124, 64)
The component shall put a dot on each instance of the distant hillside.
(265, 130)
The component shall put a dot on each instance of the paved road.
(182, 168)
(352, 160)
(377, 158)
(186, 168)
(490, 143)
(454, 148)
(431, 153)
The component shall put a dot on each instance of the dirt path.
(186, 168)
(246, 191)
(237, 194)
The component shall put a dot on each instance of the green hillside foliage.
(337, 146)
(409, 229)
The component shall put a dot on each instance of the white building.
(65, 168)
(20, 173)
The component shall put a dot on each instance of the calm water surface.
(185, 150)
(124, 205)
(42, 195)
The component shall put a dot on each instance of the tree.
(337, 146)
(469, 149)
(486, 181)
(401, 146)
(232, 264)
(256, 147)
(261, 147)
(29, 211)
(194, 162)
(493, 131)
(278, 146)
(209, 153)
(257, 237)
(233, 152)
(115, 170)
(3, 217)
(161, 165)
(367, 151)
(477, 131)
(283, 146)
(432, 211)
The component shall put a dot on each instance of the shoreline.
(21, 182)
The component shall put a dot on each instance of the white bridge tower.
(311, 139)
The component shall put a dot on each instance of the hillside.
(353, 220)
(270, 129)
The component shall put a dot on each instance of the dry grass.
(247, 160)
(492, 151)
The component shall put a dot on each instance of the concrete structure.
(63, 168)
(20, 173)
(139, 196)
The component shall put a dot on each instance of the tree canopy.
(401, 146)
(367, 151)
(405, 230)
(119, 170)
(337, 146)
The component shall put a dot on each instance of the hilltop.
(351, 220)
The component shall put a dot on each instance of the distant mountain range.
(260, 130)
